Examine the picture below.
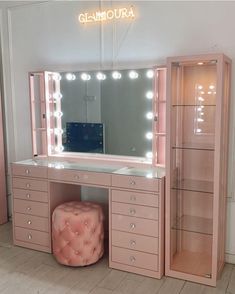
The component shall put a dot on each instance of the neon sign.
(110, 14)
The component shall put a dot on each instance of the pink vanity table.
(136, 208)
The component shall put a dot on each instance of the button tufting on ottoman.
(78, 233)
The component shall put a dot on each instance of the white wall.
(48, 36)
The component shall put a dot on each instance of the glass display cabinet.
(196, 168)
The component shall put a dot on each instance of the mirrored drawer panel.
(31, 222)
(80, 177)
(135, 198)
(135, 242)
(32, 236)
(135, 258)
(29, 171)
(30, 184)
(135, 210)
(30, 195)
(135, 225)
(31, 207)
(133, 182)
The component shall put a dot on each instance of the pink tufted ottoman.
(78, 233)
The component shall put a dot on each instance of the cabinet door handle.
(27, 171)
(28, 185)
(28, 208)
(30, 236)
(76, 177)
(132, 211)
(28, 195)
(133, 242)
(132, 259)
(132, 226)
(132, 183)
(133, 198)
(29, 222)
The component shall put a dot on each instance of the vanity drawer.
(135, 242)
(135, 258)
(29, 171)
(31, 207)
(30, 184)
(133, 182)
(135, 210)
(32, 236)
(135, 198)
(30, 195)
(135, 225)
(31, 222)
(103, 179)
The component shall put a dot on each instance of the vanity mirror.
(100, 113)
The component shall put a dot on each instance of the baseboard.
(230, 258)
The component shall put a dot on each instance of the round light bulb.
(149, 135)
(56, 77)
(149, 95)
(116, 75)
(58, 131)
(57, 96)
(85, 77)
(59, 148)
(198, 130)
(133, 75)
(70, 77)
(150, 74)
(100, 76)
(149, 176)
(149, 115)
(149, 154)
(212, 87)
(199, 87)
(58, 114)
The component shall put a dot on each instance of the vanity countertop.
(156, 172)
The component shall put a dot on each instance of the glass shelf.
(195, 146)
(194, 224)
(194, 185)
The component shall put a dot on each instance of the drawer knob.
(76, 177)
(27, 185)
(132, 226)
(28, 208)
(133, 242)
(29, 222)
(133, 198)
(132, 211)
(132, 259)
(132, 183)
(28, 195)
(30, 236)
(27, 171)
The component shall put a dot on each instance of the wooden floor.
(24, 271)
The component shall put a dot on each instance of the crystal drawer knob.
(28, 208)
(132, 226)
(133, 242)
(29, 222)
(132, 183)
(133, 198)
(76, 177)
(132, 259)
(28, 195)
(132, 211)
(27, 171)
(27, 185)
(30, 236)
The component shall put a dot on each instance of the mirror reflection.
(107, 112)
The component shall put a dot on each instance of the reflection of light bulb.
(150, 74)
(149, 95)
(100, 76)
(85, 77)
(58, 114)
(57, 96)
(149, 115)
(198, 130)
(199, 108)
(59, 166)
(200, 99)
(200, 63)
(133, 75)
(209, 92)
(70, 77)
(58, 131)
(211, 87)
(149, 154)
(202, 92)
(199, 87)
(116, 75)
(149, 176)
(56, 77)
(200, 119)
(59, 148)
(149, 135)
(201, 113)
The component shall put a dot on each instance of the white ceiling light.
(150, 74)
(149, 135)
(85, 77)
(116, 75)
(149, 115)
(70, 77)
(149, 95)
(100, 76)
(133, 74)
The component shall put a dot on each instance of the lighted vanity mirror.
(107, 112)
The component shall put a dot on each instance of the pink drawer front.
(135, 198)
(31, 222)
(135, 258)
(135, 225)
(29, 171)
(32, 236)
(94, 178)
(135, 242)
(31, 207)
(133, 182)
(30, 184)
(30, 195)
(135, 210)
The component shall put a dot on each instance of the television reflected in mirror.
(107, 112)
